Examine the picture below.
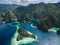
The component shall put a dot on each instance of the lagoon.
(7, 31)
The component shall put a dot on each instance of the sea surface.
(7, 31)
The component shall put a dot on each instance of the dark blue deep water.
(7, 31)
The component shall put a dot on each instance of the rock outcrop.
(58, 32)
(23, 33)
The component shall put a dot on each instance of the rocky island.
(42, 19)
(47, 17)
(23, 33)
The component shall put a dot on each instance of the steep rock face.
(47, 22)
(7, 17)
(58, 32)
(22, 33)
(47, 14)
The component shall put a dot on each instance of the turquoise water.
(7, 31)
(44, 38)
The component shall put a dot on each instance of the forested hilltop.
(5, 7)
(48, 15)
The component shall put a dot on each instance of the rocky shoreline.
(22, 33)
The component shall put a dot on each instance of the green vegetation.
(48, 15)
(7, 16)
